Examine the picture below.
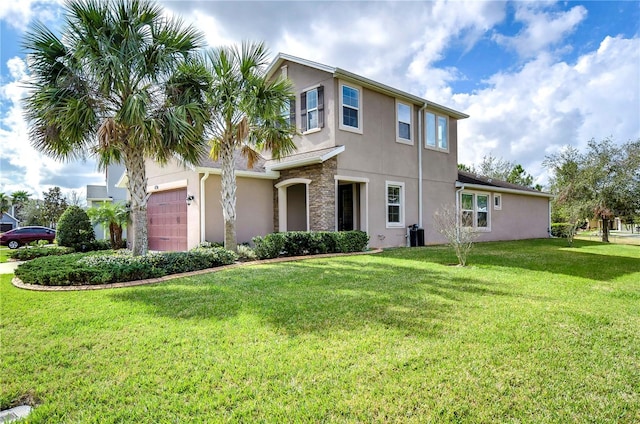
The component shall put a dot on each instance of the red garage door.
(167, 220)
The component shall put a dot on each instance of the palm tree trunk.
(228, 193)
(137, 185)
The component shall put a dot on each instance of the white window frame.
(497, 202)
(401, 204)
(358, 129)
(436, 124)
(475, 195)
(317, 127)
(398, 138)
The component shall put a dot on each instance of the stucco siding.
(254, 209)
(520, 217)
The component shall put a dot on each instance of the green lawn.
(531, 332)
(4, 254)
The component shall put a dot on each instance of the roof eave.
(269, 175)
(503, 190)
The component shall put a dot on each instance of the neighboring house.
(8, 222)
(111, 192)
(370, 157)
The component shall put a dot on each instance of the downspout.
(420, 199)
(457, 212)
(203, 220)
(549, 227)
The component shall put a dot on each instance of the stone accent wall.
(322, 196)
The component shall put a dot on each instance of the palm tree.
(113, 216)
(19, 199)
(5, 203)
(246, 117)
(120, 86)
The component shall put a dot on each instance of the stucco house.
(111, 192)
(370, 157)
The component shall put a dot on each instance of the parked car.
(19, 236)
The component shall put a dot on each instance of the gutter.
(420, 199)
(269, 175)
(203, 220)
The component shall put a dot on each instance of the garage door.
(167, 220)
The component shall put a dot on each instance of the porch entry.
(351, 204)
(293, 204)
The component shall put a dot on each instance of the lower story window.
(474, 211)
(395, 204)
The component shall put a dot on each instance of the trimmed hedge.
(119, 266)
(298, 243)
(28, 253)
(560, 229)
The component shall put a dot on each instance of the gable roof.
(305, 158)
(470, 180)
(96, 192)
(365, 82)
(6, 217)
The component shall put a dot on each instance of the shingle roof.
(240, 165)
(304, 158)
(97, 192)
(470, 178)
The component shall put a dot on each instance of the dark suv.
(19, 236)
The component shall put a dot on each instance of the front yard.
(531, 331)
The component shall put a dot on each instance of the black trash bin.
(420, 236)
(413, 236)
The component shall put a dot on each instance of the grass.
(4, 254)
(531, 331)
(614, 237)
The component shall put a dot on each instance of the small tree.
(54, 206)
(74, 229)
(459, 237)
(113, 216)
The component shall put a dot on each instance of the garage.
(167, 220)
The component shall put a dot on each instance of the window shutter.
(321, 106)
(303, 111)
(292, 112)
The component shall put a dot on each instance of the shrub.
(246, 253)
(560, 229)
(352, 241)
(38, 252)
(74, 229)
(296, 243)
(269, 246)
(118, 266)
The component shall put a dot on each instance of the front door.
(345, 207)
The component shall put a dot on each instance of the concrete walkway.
(9, 267)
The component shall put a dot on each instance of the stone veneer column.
(322, 194)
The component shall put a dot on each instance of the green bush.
(119, 266)
(560, 229)
(297, 243)
(74, 229)
(38, 252)
(269, 246)
(352, 241)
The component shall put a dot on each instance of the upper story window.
(395, 204)
(437, 131)
(403, 123)
(312, 109)
(289, 111)
(474, 208)
(350, 108)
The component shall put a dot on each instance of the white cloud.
(31, 170)
(524, 115)
(542, 29)
(19, 14)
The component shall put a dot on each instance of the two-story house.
(370, 157)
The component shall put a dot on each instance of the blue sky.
(534, 76)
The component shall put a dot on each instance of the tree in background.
(32, 213)
(602, 183)
(113, 216)
(19, 199)
(53, 206)
(245, 117)
(459, 237)
(501, 169)
(5, 203)
(119, 85)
